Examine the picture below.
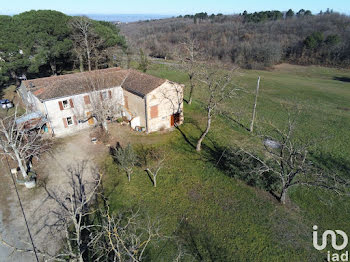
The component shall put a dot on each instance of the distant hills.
(126, 18)
(251, 40)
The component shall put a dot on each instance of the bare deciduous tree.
(126, 159)
(89, 229)
(79, 52)
(174, 98)
(155, 162)
(19, 144)
(188, 55)
(82, 35)
(96, 233)
(288, 160)
(124, 237)
(220, 88)
(123, 56)
(103, 104)
(75, 210)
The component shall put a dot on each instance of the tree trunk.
(81, 63)
(129, 175)
(191, 91)
(20, 163)
(283, 195)
(14, 76)
(154, 181)
(190, 100)
(199, 143)
(53, 68)
(88, 55)
(105, 126)
(89, 60)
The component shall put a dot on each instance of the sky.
(169, 7)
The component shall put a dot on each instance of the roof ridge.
(137, 82)
(76, 74)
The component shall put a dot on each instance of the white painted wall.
(168, 97)
(55, 115)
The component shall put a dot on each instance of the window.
(104, 95)
(69, 121)
(65, 104)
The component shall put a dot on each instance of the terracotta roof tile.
(73, 84)
(141, 84)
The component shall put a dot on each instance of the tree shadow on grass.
(226, 116)
(237, 164)
(334, 165)
(200, 243)
(187, 139)
(342, 79)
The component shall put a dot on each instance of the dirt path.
(36, 203)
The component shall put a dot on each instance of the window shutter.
(60, 105)
(65, 122)
(110, 94)
(71, 103)
(154, 111)
(87, 100)
(75, 120)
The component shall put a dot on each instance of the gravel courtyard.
(52, 172)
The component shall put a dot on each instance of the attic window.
(65, 104)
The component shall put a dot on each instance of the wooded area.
(43, 43)
(256, 40)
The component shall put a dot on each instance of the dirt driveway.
(69, 151)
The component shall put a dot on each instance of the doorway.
(175, 119)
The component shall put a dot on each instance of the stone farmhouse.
(67, 102)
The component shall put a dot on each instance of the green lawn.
(219, 218)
